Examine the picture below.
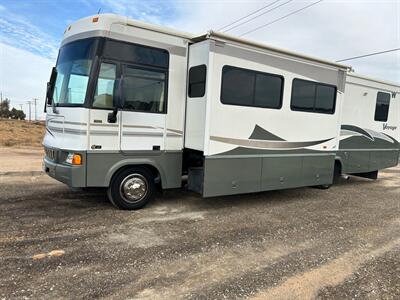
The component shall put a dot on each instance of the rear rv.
(370, 133)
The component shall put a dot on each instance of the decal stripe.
(358, 130)
(265, 144)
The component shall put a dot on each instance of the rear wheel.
(131, 188)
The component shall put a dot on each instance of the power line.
(223, 27)
(30, 118)
(34, 101)
(247, 21)
(281, 18)
(370, 54)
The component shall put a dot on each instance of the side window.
(137, 54)
(310, 96)
(197, 81)
(104, 94)
(237, 86)
(251, 88)
(144, 90)
(382, 107)
(268, 91)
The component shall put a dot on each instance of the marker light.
(74, 159)
(95, 19)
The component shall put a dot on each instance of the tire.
(323, 186)
(131, 188)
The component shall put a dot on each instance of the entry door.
(143, 117)
(102, 134)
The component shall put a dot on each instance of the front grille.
(50, 153)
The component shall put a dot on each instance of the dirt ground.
(16, 133)
(341, 243)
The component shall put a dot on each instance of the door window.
(104, 94)
(197, 81)
(382, 107)
(144, 90)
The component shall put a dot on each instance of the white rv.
(132, 106)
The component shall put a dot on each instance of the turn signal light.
(74, 159)
(77, 159)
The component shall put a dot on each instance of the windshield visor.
(73, 68)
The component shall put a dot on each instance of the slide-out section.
(270, 122)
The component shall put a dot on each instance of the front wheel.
(131, 188)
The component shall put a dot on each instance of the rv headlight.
(74, 159)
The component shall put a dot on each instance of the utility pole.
(34, 101)
(1, 104)
(21, 107)
(29, 103)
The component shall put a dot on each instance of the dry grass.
(15, 133)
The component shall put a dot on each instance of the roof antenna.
(99, 11)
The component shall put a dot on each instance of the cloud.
(331, 29)
(20, 33)
(156, 12)
(23, 76)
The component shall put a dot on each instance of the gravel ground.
(341, 243)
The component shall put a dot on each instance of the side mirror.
(112, 116)
(118, 101)
(119, 95)
(50, 86)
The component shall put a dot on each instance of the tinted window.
(197, 81)
(312, 96)
(268, 91)
(104, 94)
(382, 107)
(144, 90)
(251, 88)
(325, 99)
(237, 86)
(136, 54)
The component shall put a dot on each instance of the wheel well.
(153, 170)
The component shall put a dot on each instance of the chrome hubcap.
(133, 188)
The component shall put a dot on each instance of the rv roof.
(230, 38)
(105, 20)
(356, 75)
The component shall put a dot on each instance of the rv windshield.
(73, 69)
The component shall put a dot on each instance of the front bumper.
(73, 176)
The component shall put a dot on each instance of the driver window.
(144, 90)
(103, 97)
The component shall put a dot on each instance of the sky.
(31, 32)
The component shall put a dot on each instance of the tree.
(20, 114)
(5, 108)
(5, 111)
(17, 114)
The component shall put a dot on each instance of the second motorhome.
(132, 106)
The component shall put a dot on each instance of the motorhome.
(132, 107)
